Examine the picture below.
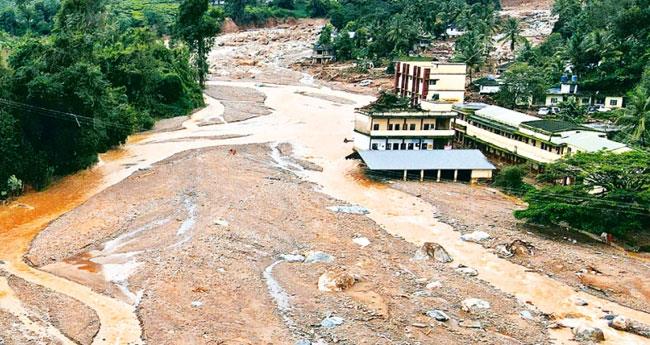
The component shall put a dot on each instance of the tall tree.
(511, 32)
(197, 25)
(635, 118)
(471, 49)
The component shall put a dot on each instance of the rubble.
(332, 321)
(361, 241)
(473, 304)
(292, 257)
(335, 280)
(435, 251)
(585, 333)
(468, 271)
(476, 236)
(317, 256)
(437, 314)
(622, 323)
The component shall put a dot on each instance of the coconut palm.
(512, 32)
(635, 118)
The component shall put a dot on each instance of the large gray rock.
(332, 321)
(476, 236)
(436, 252)
(313, 257)
(473, 304)
(586, 333)
(437, 314)
(351, 209)
(622, 323)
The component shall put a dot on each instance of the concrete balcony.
(413, 134)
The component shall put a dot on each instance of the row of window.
(523, 139)
(402, 146)
(410, 127)
(612, 102)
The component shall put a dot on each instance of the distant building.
(425, 80)
(322, 54)
(568, 89)
(488, 85)
(519, 137)
(417, 139)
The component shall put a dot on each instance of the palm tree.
(470, 49)
(512, 32)
(635, 118)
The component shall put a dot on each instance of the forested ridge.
(82, 86)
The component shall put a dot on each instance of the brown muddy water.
(316, 127)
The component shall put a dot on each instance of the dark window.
(424, 146)
(425, 127)
(373, 147)
(402, 146)
(395, 146)
(410, 146)
(613, 102)
(375, 127)
(397, 127)
(390, 126)
(412, 126)
(388, 147)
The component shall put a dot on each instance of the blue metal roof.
(425, 160)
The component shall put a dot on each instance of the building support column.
(404, 175)
(438, 178)
(455, 175)
(421, 175)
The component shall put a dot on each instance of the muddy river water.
(317, 128)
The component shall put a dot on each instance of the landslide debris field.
(244, 224)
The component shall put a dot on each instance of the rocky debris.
(515, 248)
(473, 304)
(585, 333)
(335, 280)
(292, 257)
(332, 321)
(526, 315)
(351, 209)
(622, 323)
(580, 302)
(476, 236)
(361, 241)
(437, 314)
(197, 304)
(435, 251)
(316, 256)
(434, 285)
(468, 271)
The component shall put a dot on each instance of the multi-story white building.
(436, 82)
(524, 138)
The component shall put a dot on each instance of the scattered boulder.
(476, 236)
(292, 257)
(622, 323)
(332, 321)
(335, 280)
(526, 315)
(434, 285)
(472, 304)
(436, 251)
(361, 241)
(197, 304)
(437, 314)
(351, 209)
(468, 271)
(520, 248)
(313, 257)
(516, 247)
(586, 333)
(580, 302)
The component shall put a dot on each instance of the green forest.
(75, 81)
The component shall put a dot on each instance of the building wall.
(610, 99)
(481, 174)
(361, 141)
(528, 151)
(445, 82)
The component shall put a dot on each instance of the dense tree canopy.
(83, 89)
(609, 193)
